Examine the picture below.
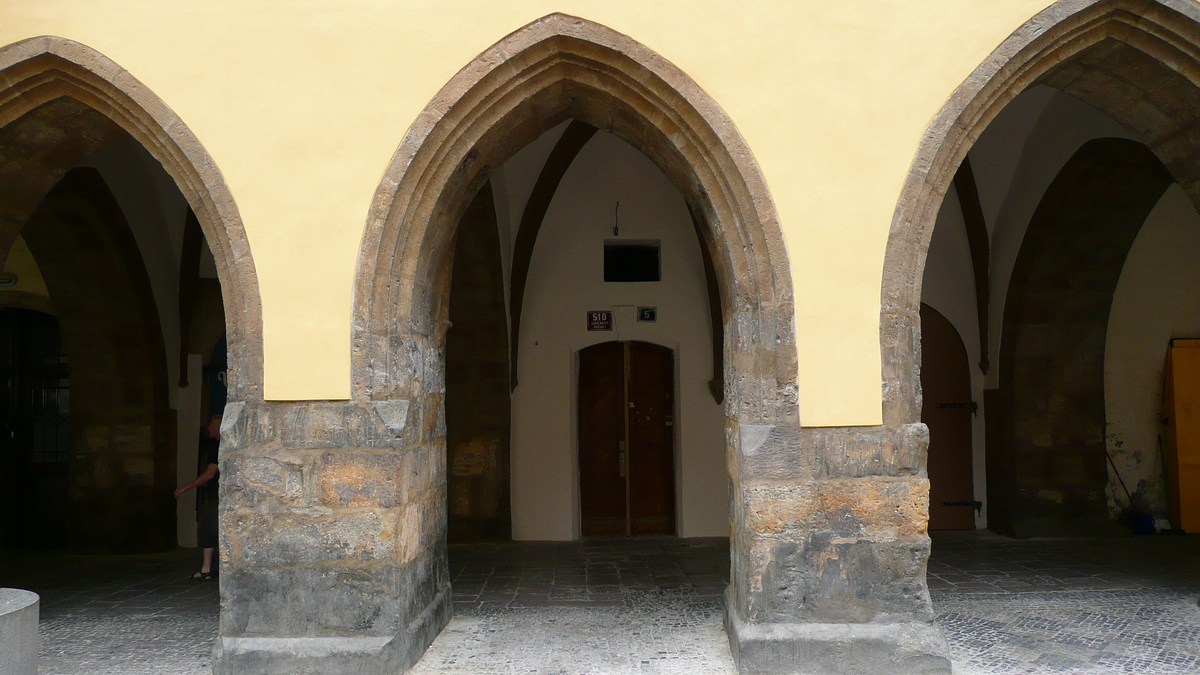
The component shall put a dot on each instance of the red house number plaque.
(600, 319)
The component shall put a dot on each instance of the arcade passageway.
(653, 605)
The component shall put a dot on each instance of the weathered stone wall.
(830, 551)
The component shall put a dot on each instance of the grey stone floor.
(1096, 606)
(654, 606)
(603, 606)
(118, 615)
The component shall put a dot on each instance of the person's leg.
(206, 536)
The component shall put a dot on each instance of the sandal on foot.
(203, 576)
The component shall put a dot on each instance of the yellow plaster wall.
(302, 102)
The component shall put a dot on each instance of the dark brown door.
(34, 432)
(626, 439)
(947, 411)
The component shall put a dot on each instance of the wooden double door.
(626, 440)
(947, 411)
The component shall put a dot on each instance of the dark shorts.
(206, 526)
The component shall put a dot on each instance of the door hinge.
(975, 505)
(972, 406)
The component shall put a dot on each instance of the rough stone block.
(290, 539)
(891, 507)
(825, 577)
(360, 479)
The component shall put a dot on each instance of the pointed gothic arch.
(556, 68)
(1136, 60)
(71, 100)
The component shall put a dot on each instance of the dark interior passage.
(122, 432)
(35, 402)
(1046, 463)
(478, 407)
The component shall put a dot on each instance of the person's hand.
(179, 491)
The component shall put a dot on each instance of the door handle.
(621, 459)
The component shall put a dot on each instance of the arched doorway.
(110, 180)
(1048, 476)
(555, 69)
(551, 257)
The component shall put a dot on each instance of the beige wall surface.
(301, 104)
(1154, 301)
(565, 282)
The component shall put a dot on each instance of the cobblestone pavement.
(654, 606)
(601, 606)
(1096, 606)
(118, 615)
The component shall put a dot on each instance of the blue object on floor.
(1142, 523)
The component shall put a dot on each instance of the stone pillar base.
(837, 648)
(19, 611)
(235, 655)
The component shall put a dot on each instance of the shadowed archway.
(1136, 60)
(60, 102)
(123, 436)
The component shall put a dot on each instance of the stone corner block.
(837, 648)
(19, 612)
(394, 414)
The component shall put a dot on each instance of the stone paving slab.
(121, 644)
(119, 615)
(661, 632)
(612, 606)
(1151, 631)
(1095, 606)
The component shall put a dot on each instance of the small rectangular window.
(631, 261)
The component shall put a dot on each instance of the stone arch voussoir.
(60, 86)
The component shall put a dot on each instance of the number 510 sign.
(599, 319)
